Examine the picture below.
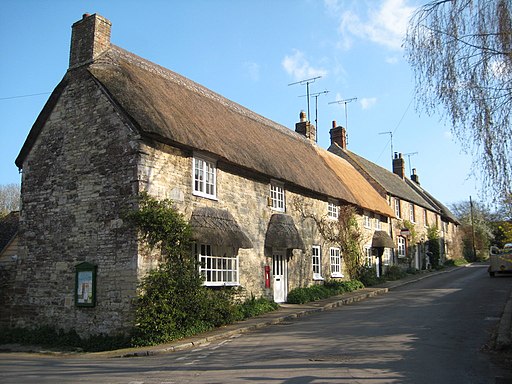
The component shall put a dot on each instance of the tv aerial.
(315, 95)
(345, 102)
(307, 82)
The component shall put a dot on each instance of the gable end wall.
(78, 180)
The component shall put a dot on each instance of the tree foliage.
(172, 301)
(461, 53)
(477, 221)
(9, 198)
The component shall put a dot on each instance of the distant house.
(414, 208)
(117, 125)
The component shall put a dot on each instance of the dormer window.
(276, 198)
(204, 177)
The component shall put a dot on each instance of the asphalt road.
(432, 331)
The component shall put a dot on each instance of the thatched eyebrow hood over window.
(381, 239)
(217, 227)
(282, 233)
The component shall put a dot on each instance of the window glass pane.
(218, 270)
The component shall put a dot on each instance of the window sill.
(210, 197)
(318, 278)
(337, 276)
(206, 284)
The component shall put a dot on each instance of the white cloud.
(368, 102)
(299, 68)
(392, 59)
(384, 24)
(253, 70)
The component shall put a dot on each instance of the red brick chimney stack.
(90, 37)
(338, 135)
(415, 177)
(399, 165)
(305, 128)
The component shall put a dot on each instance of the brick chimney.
(305, 128)
(338, 135)
(399, 165)
(90, 37)
(415, 177)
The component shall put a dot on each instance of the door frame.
(280, 292)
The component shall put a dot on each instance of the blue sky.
(249, 51)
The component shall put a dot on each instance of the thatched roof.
(175, 110)
(381, 239)
(167, 107)
(282, 233)
(217, 227)
(8, 228)
(366, 196)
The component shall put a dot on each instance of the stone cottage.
(416, 210)
(117, 125)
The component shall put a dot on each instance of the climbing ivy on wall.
(172, 302)
(343, 232)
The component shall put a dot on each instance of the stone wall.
(79, 178)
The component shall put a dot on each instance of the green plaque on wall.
(85, 285)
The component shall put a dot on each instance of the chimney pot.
(334, 124)
(305, 128)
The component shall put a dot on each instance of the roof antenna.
(315, 95)
(409, 160)
(391, 138)
(307, 82)
(346, 101)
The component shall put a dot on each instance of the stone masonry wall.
(78, 180)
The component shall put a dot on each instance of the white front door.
(279, 272)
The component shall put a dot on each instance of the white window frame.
(218, 270)
(378, 223)
(401, 247)
(333, 210)
(386, 257)
(204, 177)
(412, 214)
(367, 220)
(397, 207)
(316, 261)
(368, 256)
(335, 259)
(277, 196)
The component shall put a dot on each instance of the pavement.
(287, 312)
